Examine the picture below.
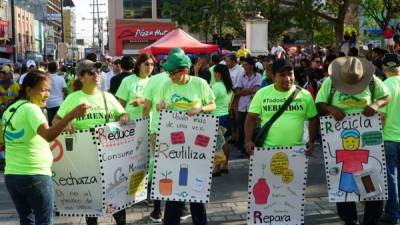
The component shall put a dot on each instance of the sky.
(84, 23)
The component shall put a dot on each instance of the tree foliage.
(381, 11)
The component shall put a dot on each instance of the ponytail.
(77, 85)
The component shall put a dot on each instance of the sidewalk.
(228, 204)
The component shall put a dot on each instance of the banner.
(354, 158)
(100, 171)
(277, 181)
(184, 155)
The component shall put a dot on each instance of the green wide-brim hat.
(176, 61)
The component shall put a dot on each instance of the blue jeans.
(33, 198)
(392, 208)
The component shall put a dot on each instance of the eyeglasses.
(93, 72)
(148, 64)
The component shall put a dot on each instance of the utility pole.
(13, 42)
(93, 23)
(62, 21)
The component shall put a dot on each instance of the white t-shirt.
(56, 91)
(21, 78)
(105, 80)
(236, 72)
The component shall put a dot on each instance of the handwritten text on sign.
(352, 146)
(276, 186)
(184, 154)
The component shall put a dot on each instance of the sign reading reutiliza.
(184, 154)
(100, 171)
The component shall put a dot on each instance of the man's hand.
(337, 114)
(69, 128)
(162, 105)
(310, 148)
(370, 110)
(250, 147)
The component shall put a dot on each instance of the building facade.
(69, 27)
(5, 43)
(54, 7)
(25, 32)
(135, 24)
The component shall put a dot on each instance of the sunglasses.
(93, 72)
(148, 64)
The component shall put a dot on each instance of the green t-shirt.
(184, 97)
(132, 87)
(222, 99)
(288, 129)
(351, 103)
(28, 153)
(212, 81)
(392, 110)
(96, 115)
(152, 93)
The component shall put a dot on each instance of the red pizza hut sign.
(139, 31)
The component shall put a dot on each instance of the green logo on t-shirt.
(351, 100)
(177, 98)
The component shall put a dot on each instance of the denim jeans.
(392, 151)
(173, 212)
(33, 198)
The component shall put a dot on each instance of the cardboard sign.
(184, 154)
(100, 171)
(277, 181)
(351, 147)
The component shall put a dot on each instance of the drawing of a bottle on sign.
(183, 175)
(261, 189)
(166, 184)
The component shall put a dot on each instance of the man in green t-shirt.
(391, 136)
(352, 88)
(288, 129)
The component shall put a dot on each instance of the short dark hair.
(127, 63)
(52, 67)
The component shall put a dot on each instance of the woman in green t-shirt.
(130, 92)
(223, 91)
(104, 107)
(28, 159)
(192, 95)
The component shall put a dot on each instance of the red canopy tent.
(179, 39)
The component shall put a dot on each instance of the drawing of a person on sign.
(352, 159)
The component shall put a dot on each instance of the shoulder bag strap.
(107, 116)
(13, 111)
(331, 94)
(264, 130)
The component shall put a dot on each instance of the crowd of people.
(279, 91)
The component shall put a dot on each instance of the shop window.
(162, 8)
(137, 9)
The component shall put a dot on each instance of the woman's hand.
(69, 128)
(138, 101)
(162, 105)
(123, 120)
(79, 111)
(194, 111)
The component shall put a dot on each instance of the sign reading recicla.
(54, 17)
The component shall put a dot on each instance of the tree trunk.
(339, 29)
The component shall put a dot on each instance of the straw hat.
(351, 75)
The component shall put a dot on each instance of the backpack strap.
(371, 86)
(331, 94)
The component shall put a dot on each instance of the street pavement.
(228, 204)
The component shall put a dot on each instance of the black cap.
(391, 60)
(280, 65)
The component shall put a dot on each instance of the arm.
(147, 107)
(122, 102)
(247, 91)
(312, 131)
(65, 92)
(371, 109)
(326, 109)
(206, 109)
(50, 133)
(383, 118)
(249, 125)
